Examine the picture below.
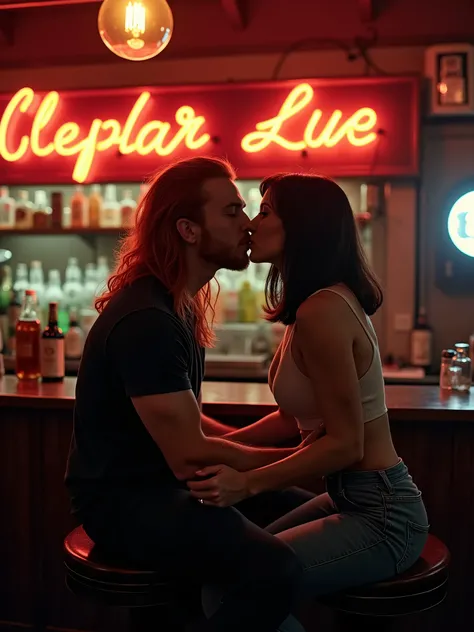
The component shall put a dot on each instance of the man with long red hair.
(137, 424)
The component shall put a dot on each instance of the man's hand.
(225, 486)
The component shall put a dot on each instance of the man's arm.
(151, 356)
(174, 422)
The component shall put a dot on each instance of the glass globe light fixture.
(135, 29)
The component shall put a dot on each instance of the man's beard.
(213, 251)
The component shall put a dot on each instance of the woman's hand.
(225, 486)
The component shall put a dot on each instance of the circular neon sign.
(461, 224)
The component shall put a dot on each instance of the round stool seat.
(89, 573)
(422, 587)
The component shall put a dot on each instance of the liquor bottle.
(127, 209)
(37, 284)
(95, 206)
(74, 339)
(79, 208)
(24, 210)
(13, 315)
(421, 343)
(52, 348)
(42, 213)
(110, 216)
(7, 209)
(21, 281)
(27, 334)
(73, 289)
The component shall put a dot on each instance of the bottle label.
(52, 357)
(421, 348)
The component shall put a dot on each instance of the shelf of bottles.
(80, 209)
(73, 274)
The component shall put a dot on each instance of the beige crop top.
(293, 391)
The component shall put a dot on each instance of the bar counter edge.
(412, 403)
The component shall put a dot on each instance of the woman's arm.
(274, 429)
(327, 352)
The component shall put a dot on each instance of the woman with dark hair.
(371, 523)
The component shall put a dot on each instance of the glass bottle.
(73, 289)
(54, 294)
(447, 377)
(37, 282)
(7, 209)
(127, 209)
(57, 209)
(6, 286)
(74, 340)
(78, 204)
(462, 361)
(13, 313)
(90, 285)
(95, 206)
(27, 334)
(421, 342)
(23, 211)
(102, 275)
(110, 215)
(21, 281)
(42, 213)
(52, 348)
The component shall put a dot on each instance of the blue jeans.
(368, 527)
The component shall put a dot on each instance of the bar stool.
(377, 606)
(154, 602)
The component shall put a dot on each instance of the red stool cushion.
(422, 587)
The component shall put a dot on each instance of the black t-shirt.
(137, 346)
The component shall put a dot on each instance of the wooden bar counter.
(434, 434)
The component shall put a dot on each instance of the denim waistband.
(389, 477)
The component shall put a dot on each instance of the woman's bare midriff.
(379, 451)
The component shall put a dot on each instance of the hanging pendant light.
(135, 29)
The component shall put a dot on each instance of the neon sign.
(461, 224)
(363, 121)
(70, 141)
(118, 135)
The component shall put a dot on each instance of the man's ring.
(201, 501)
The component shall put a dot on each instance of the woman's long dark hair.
(322, 246)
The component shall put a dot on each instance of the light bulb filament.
(135, 15)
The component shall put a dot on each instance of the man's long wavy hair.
(322, 246)
(153, 245)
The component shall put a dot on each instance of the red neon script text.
(100, 136)
(357, 128)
